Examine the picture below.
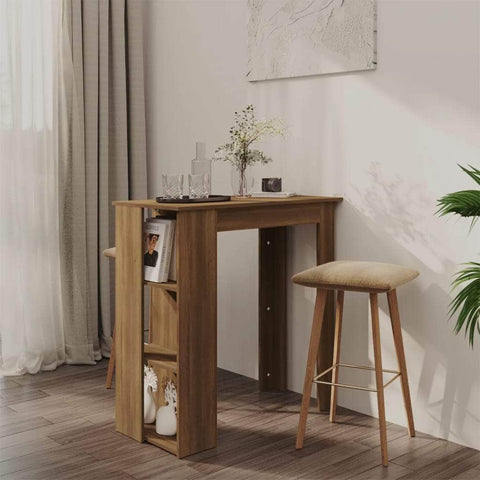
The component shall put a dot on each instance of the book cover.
(158, 235)
(172, 274)
(273, 194)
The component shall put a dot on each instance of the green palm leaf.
(474, 173)
(467, 301)
(465, 203)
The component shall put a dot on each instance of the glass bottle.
(201, 165)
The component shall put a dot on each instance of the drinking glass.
(172, 186)
(199, 185)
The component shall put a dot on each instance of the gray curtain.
(104, 160)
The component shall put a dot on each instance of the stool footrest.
(316, 379)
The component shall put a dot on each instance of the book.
(172, 274)
(273, 194)
(158, 238)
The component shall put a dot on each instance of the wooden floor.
(59, 425)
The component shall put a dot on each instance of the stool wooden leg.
(402, 366)
(311, 361)
(336, 352)
(111, 363)
(379, 377)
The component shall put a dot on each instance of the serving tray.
(187, 199)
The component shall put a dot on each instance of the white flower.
(150, 378)
(171, 394)
(246, 131)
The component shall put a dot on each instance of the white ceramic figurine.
(167, 415)
(150, 383)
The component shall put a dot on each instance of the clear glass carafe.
(201, 165)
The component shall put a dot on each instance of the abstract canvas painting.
(293, 38)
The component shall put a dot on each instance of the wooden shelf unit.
(161, 352)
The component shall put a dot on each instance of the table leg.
(326, 253)
(196, 239)
(129, 322)
(272, 309)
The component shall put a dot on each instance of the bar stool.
(368, 277)
(111, 253)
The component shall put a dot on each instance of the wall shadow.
(444, 372)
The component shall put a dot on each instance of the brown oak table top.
(236, 202)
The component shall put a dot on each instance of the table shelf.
(153, 350)
(170, 286)
(162, 441)
(165, 364)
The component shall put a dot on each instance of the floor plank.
(60, 425)
(7, 382)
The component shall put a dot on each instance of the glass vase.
(242, 182)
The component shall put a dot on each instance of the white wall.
(388, 141)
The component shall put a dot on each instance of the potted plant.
(243, 134)
(466, 303)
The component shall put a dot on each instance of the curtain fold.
(72, 140)
(31, 320)
(105, 160)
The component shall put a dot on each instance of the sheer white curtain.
(31, 323)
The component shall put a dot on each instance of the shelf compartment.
(162, 441)
(170, 365)
(163, 319)
(170, 286)
(155, 349)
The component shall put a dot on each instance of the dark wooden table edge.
(234, 203)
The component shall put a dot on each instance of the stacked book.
(273, 194)
(159, 234)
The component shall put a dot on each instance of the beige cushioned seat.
(356, 276)
(110, 252)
